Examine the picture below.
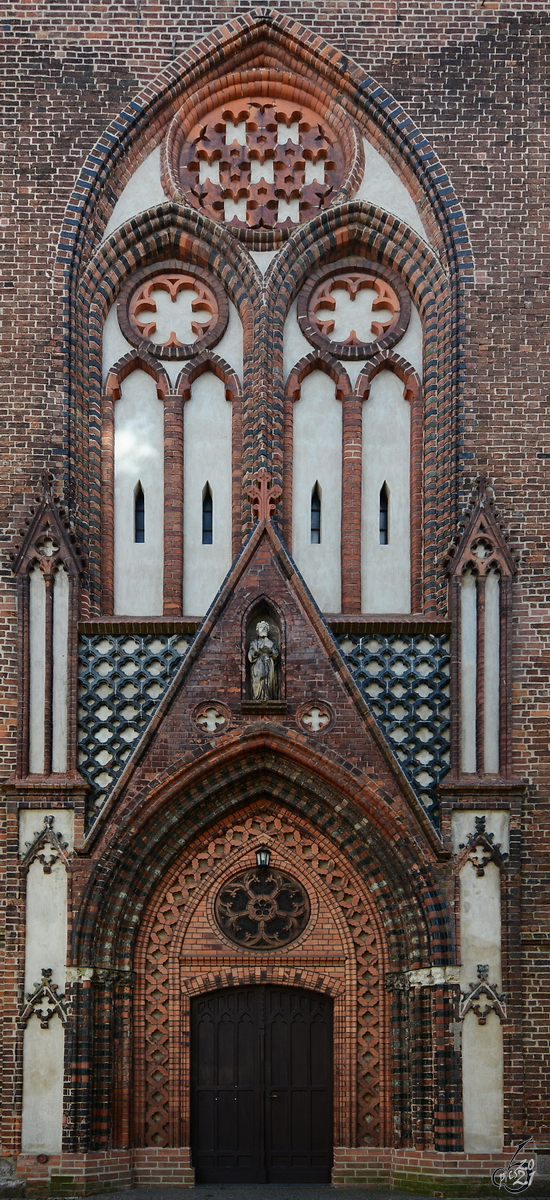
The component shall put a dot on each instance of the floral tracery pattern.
(261, 164)
(377, 308)
(262, 908)
(173, 309)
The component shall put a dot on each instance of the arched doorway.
(261, 1086)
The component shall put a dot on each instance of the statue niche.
(263, 644)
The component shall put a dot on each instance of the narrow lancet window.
(383, 516)
(139, 514)
(207, 516)
(315, 516)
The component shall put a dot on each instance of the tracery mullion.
(107, 504)
(352, 469)
(174, 500)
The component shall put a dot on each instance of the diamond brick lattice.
(121, 680)
(405, 681)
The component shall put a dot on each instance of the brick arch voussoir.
(166, 232)
(199, 366)
(366, 229)
(388, 361)
(318, 361)
(259, 36)
(127, 872)
(136, 360)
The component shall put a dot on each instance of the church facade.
(275, 751)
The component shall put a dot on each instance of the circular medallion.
(261, 163)
(173, 309)
(262, 908)
(354, 308)
(316, 717)
(211, 717)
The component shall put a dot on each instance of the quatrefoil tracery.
(197, 309)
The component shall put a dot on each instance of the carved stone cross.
(264, 495)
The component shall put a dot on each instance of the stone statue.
(263, 654)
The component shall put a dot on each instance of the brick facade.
(455, 100)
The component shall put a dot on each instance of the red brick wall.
(475, 79)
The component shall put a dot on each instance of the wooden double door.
(261, 1086)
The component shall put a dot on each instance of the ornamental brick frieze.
(354, 308)
(173, 310)
(261, 164)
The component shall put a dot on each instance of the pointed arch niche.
(139, 204)
(482, 571)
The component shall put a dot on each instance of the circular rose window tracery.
(262, 155)
(262, 908)
(354, 308)
(174, 309)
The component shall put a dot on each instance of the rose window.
(262, 908)
(261, 164)
(354, 308)
(172, 310)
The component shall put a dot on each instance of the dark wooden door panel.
(261, 1080)
(227, 1097)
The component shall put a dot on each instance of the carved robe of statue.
(262, 654)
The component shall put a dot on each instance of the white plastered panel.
(386, 569)
(482, 1049)
(42, 1107)
(142, 191)
(139, 458)
(382, 186)
(318, 459)
(60, 651)
(492, 672)
(468, 670)
(37, 669)
(45, 948)
(207, 460)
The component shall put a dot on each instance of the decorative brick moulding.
(317, 301)
(259, 160)
(139, 319)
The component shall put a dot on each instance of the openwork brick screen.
(121, 680)
(405, 680)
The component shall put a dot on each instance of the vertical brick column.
(352, 414)
(107, 504)
(173, 505)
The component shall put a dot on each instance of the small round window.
(262, 908)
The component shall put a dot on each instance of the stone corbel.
(45, 838)
(44, 1002)
(483, 992)
(481, 849)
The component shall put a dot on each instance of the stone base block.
(104, 1171)
(420, 1171)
